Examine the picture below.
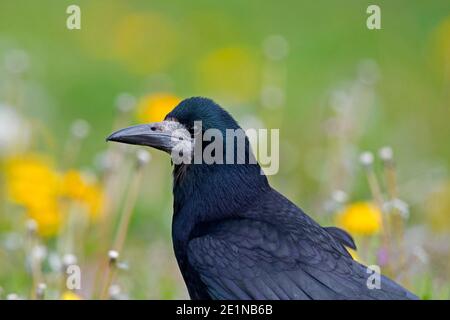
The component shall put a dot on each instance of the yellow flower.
(49, 219)
(73, 185)
(33, 183)
(76, 187)
(155, 107)
(361, 218)
(30, 179)
(69, 295)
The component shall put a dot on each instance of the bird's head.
(179, 128)
(212, 116)
(222, 185)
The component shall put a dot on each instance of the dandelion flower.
(69, 295)
(76, 187)
(48, 219)
(73, 185)
(362, 218)
(32, 183)
(153, 108)
(30, 179)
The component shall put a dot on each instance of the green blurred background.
(310, 68)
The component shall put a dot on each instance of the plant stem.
(122, 230)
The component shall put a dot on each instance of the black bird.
(235, 237)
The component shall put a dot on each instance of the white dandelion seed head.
(113, 255)
(41, 287)
(366, 158)
(69, 259)
(125, 102)
(14, 130)
(399, 205)
(114, 291)
(54, 261)
(105, 160)
(80, 128)
(143, 157)
(276, 47)
(12, 296)
(31, 225)
(386, 153)
(339, 196)
(38, 253)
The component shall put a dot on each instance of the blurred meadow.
(363, 117)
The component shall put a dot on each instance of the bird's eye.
(153, 128)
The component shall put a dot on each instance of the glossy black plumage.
(237, 238)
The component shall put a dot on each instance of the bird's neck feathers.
(208, 193)
(217, 189)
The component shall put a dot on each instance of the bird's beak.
(159, 135)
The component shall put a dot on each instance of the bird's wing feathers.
(245, 259)
(275, 251)
(342, 236)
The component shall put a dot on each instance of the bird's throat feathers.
(212, 192)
